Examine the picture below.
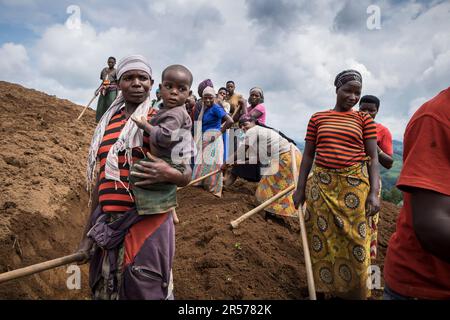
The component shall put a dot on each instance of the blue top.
(212, 118)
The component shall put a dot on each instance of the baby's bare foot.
(175, 218)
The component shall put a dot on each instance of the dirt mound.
(43, 203)
(259, 260)
(44, 208)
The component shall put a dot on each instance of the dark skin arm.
(384, 159)
(431, 221)
(151, 172)
(309, 153)
(373, 202)
(228, 123)
(158, 170)
(256, 114)
(240, 110)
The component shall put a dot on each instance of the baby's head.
(175, 85)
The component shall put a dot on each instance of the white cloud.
(68, 55)
(293, 50)
(416, 104)
(14, 62)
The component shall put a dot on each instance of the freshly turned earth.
(44, 205)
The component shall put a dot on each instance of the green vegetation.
(389, 177)
(394, 195)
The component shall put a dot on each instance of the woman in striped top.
(131, 255)
(343, 191)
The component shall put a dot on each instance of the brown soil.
(43, 203)
(258, 260)
(44, 206)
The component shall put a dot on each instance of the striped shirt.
(114, 196)
(339, 137)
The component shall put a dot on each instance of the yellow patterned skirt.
(270, 185)
(337, 230)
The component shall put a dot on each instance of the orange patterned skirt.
(270, 185)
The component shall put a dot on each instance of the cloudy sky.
(291, 48)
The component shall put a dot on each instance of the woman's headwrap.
(130, 137)
(203, 85)
(260, 91)
(133, 62)
(346, 76)
(209, 90)
(246, 118)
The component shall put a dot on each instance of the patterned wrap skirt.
(211, 159)
(270, 185)
(337, 229)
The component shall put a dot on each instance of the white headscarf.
(133, 62)
(130, 137)
(209, 90)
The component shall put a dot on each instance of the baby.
(175, 88)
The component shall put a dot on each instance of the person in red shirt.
(371, 104)
(417, 263)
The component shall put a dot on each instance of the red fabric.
(113, 196)
(339, 137)
(138, 233)
(384, 139)
(409, 269)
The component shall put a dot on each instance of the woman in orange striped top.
(342, 193)
(131, 254)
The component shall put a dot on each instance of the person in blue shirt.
(208, 130)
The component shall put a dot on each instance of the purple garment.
(149, 275)
(170, 128)
(202, 86)
(110, 235)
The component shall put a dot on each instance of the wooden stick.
(301, 216)
(235, 223)
(87, 106)
(294, 165)
(200, 179)
(36, 268)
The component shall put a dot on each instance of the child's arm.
(142, 123)
(162, 134)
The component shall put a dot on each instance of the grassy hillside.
(389, 177)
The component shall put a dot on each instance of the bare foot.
(175, 217)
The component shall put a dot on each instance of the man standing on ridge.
(108, 89)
